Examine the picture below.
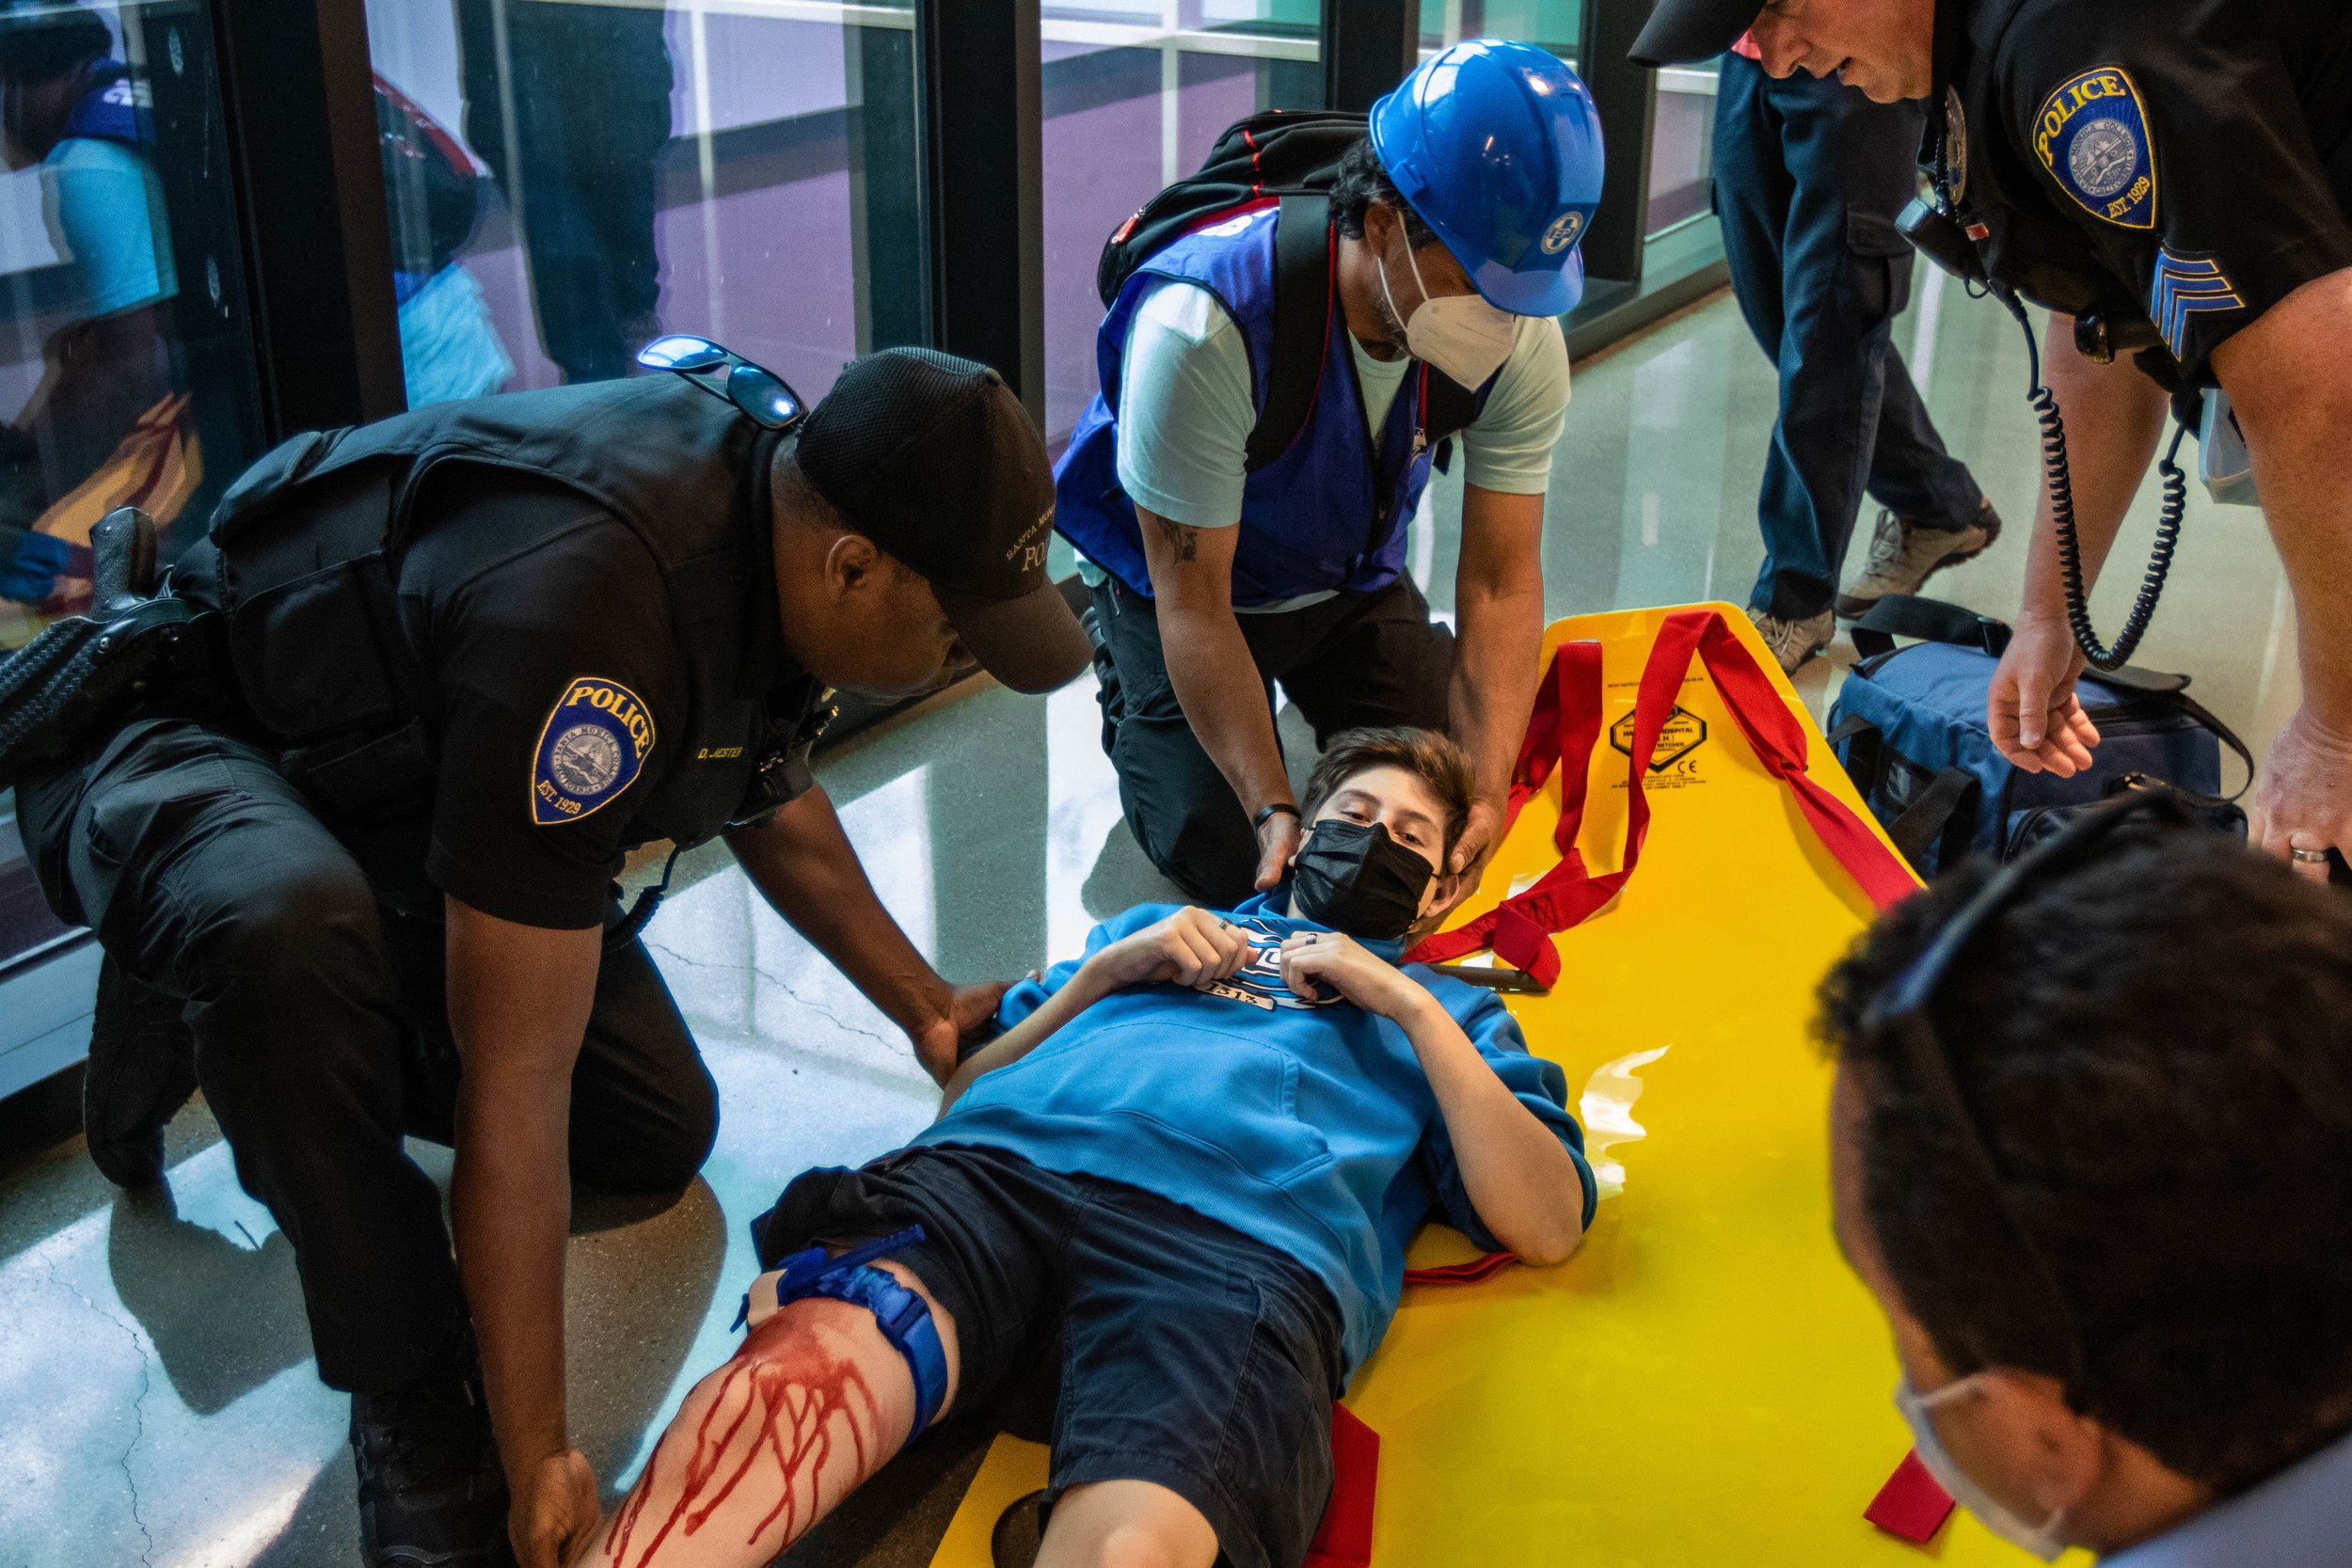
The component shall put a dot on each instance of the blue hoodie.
(1309, 1126)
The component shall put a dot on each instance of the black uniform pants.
(1357, 658)
(321, 1026)
(1809, 175)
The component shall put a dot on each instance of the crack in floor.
(138, 1405)
(781, 983)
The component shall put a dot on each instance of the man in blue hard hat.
(1454, 248)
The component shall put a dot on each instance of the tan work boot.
(1903, 556)
(1794, 642)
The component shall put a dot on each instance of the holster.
(81, 676)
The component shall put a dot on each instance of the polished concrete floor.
(157, 1401)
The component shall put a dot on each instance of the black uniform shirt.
(2191, 158)
(561, 700)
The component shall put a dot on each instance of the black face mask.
(1354, 878)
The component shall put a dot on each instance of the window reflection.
(1134, 93)
(743, 172)
(1682, 145)
(126, 375)
(1553, 23)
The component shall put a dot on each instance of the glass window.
(1682, 145)
(1134, 93)
(568, 181)
(1554, 23)
(126, 378)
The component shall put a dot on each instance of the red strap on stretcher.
(1343, 1540)
(1562, 732)
(1483, 1267)
(1913, 1505)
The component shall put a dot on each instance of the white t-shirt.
(1185, 408)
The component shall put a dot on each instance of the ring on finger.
(2307, 857)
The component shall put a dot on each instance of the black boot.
(431, 1492)
(141, 1071)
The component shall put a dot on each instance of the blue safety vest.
(1328, 514)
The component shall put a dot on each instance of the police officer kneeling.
(2174, 177)
(465, 659)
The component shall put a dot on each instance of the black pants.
(1140, 1340)
(1359, 659)
(320, 1025)
(1809, 175)
(585, 92)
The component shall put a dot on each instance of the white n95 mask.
(2044, 1541)
(1461, 334)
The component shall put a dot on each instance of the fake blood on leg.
(793, 1388)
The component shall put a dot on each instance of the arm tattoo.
(1184, 542)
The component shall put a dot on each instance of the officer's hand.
(970, 1014)
(1481, 834)
(1278, 837)
(2030, 707)
(1191, 947)
(554, 1512)
(2303, 800)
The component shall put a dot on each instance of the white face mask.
(2042, 1541)
(1461, 334)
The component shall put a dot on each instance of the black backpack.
(1285, 156)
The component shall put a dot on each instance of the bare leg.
(1126, 1524)
(763, 1448)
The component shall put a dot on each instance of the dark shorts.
(1141, 1340)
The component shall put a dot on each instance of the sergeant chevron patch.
(2187, 286)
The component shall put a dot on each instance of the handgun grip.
(123, 562)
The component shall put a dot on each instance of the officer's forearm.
(1499, 605)
(808, 871)
(519, 1004)
(2114, 416)
(2289, 376)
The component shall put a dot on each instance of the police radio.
(1944, 239)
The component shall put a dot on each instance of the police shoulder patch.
(594, 744)
(2092, 136)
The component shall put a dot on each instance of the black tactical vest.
(309, 540)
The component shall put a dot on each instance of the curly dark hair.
(2157, 1046)
(1357, 183)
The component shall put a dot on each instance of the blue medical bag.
(1909, 726)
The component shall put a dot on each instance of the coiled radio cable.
(2061, 485)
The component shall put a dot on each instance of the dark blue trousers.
(1809, 175)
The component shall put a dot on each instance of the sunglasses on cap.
(758, 391)
(1902, 1007)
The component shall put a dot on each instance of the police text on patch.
(592, 747)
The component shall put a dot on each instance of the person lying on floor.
(1162, 1216)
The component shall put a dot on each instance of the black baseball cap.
(933, 458)
(1679, 31)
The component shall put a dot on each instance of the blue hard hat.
(1497, 147)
